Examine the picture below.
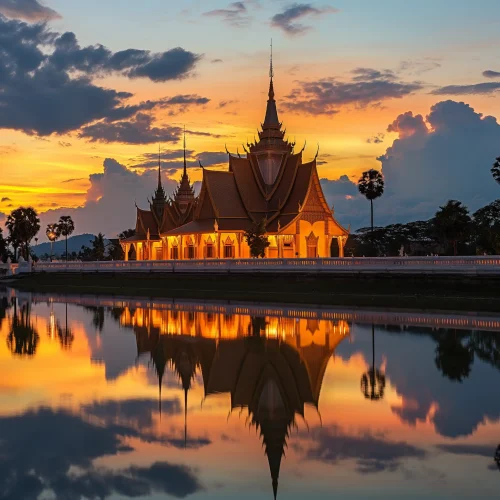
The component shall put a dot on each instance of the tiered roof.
(271, 182)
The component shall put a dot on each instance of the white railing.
(448, 265)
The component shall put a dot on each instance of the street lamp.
(52, 236)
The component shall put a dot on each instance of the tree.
(128, 233)
(3, 247)
(371, 186)
(487, 228)
(52, 233)
(23, 225)
(495, 170)
(98, 247)
(23, 339)
(66, 226)
(373, 381)
(453, 358)
(256, 239)
(452, 223)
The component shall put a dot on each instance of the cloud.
(366, 87)
(139, 130)
(54, 453)
(491, 74)
(468, 449)
(371, 453)
(216, 61)
(5, 199)
(419, 66)
(112, 193)
(478, 88)
(31, 10)
(447, 155)
(287, 20)
(41, 71)
(236, 14)
(376, 139)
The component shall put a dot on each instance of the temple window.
(229, 248)
(210, 251)
(174, 253)
(189, 252)
(312, 246)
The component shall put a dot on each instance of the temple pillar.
(218, 245)
(341, 241)
(181, 247)
(127, 248)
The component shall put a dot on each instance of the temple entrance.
(189, 250)
(174, 253)
(229, 249)
(209, 249)
(312, 246)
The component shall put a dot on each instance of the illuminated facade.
(270, 182)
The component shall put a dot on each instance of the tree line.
(452, 231)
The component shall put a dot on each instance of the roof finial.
(159, 165)
(271, 69)
(185, 166)
(271, 74)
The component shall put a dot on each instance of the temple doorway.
(312, 246)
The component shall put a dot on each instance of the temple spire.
(271, 121)
(185, 165)
(159, 167)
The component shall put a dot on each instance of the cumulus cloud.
(109, 204)
(288, 20)
(41, 71)
(447, 155)
(366, 87)
(491, 74)
(31, 10)
(477, 88)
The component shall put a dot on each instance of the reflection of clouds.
(371, 453)
(39, 451)
(468, 449)
(455, 409)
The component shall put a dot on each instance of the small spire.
(159, 166)
(271, 69)
(185, 166)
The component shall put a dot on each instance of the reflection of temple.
(272, 366)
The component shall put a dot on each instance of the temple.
(271, 182)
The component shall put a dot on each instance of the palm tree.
(495, 170)
(452, 223)
(373, 381)
(66, 227)
(98, 247)
(453, 359)
(23, 225)
(371, 186)
(52, 233)
(23, 338)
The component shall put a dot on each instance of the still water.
(103, 398)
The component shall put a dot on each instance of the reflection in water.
(91, 436)
(373, 381)
(23, 338)
(273, 371)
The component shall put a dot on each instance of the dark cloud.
(468, 449)
(31, 10)
(224, 104)
(185, 99)
(67, 181)
(64, 144)
(287, 20)
(139, 130)
(478, 88)
(135, 412)
(5, 199)
(216, 61)
(376, 139)
(41, 71)
(39, 450)
(366, 87)
(419, 66)
(236, 14)
(371, 453)
(491, 74)
(208, 158)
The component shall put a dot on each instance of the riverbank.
(474, 293)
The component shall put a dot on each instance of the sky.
(90, 90)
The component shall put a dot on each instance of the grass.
(377, 290)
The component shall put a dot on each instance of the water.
(115, 399)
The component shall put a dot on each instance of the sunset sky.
(87, 96)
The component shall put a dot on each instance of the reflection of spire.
(185, 166)
(185, 417)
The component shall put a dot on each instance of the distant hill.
(75, 244)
